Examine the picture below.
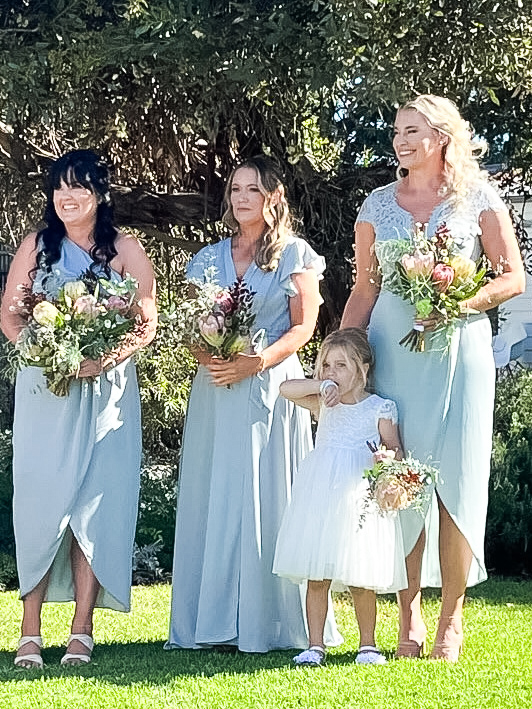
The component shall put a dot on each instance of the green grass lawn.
(130, 668)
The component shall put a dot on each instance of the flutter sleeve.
(388, 410)
(298, 256)
(488, 199)
(197, 267)
(367, 210)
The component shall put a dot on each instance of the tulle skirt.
(329, 531)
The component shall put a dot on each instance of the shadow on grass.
(495, 591)
(128, 663)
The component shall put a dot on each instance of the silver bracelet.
(325, 384)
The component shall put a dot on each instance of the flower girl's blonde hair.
(460, 152)
(356, 348)
(276, 211)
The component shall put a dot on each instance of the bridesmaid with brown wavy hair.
(242, 441)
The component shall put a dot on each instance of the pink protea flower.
(87, 305)
(418, 264)
(226, 303)
(442, 277)
(212, 329)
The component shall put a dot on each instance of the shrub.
(156, 522)
(8, 569)
(165, 372)
(509, 523)
(8, 572)
(146, 566)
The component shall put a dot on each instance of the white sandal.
(84, 658)
(369, 655)
(34, 657)
(313, 657)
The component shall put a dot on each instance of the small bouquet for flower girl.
(219, 320)
(398, 484)
(89, 318)
(429, 274)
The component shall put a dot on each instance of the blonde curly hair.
(276, 211)
(460, 153)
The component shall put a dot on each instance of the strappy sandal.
(369, 655)
(34, 658)
(73, 658)
(313, 657)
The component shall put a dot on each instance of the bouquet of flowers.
(398, 484)
(429, 273)
(89, 318)
(219, 320)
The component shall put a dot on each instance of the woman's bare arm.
(19, 277)
(365, 292)
(500, 246)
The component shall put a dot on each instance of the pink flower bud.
(442, 277)
(115, 302)
(226, 303)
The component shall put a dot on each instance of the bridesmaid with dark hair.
(76, 458)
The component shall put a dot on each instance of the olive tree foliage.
(174, 92)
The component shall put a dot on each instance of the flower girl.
(330, 535)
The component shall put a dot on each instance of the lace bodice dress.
(444, 398)
(328, 530)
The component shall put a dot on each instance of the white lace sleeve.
(488, 199)
(388, 410)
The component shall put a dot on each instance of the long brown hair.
(276, 211)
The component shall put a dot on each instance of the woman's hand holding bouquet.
(430, 274)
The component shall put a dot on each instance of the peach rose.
(390, 495)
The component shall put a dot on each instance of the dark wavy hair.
(78, 168)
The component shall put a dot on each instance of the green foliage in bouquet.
(429, 273)
(398, 484)
(216, 319)
(89, 318)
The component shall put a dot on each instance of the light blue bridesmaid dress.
(241, 446)
(76, 469)
(445, 400)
